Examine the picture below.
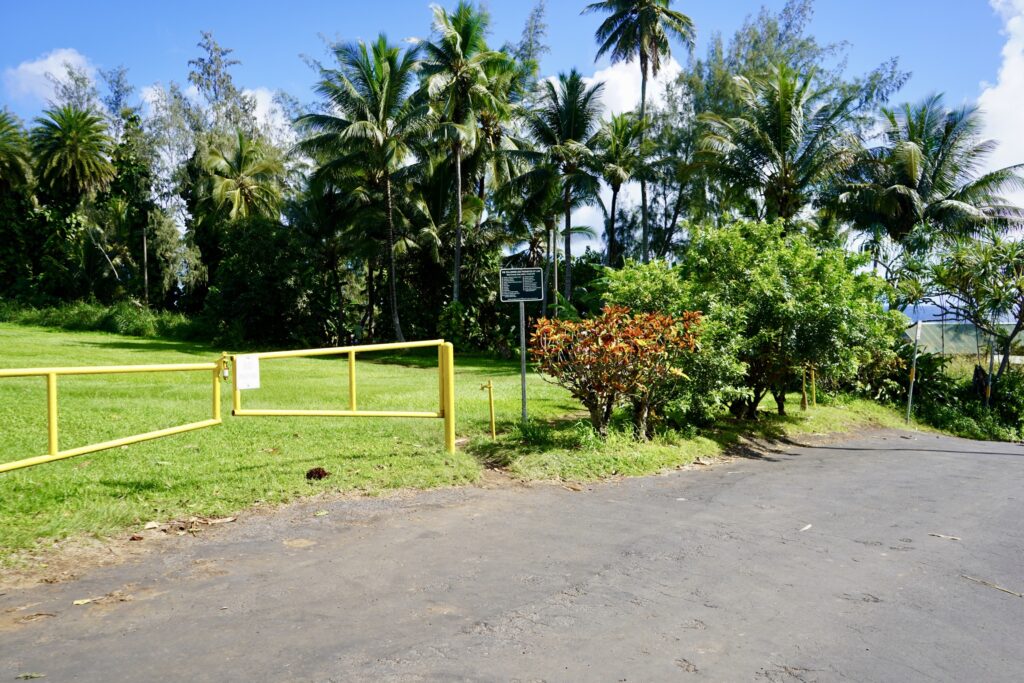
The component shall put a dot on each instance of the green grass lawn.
(227, 468)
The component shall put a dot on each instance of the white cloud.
(271, 117)
(621, 93)
(1001, 101)
(622, 85)
(28, 80)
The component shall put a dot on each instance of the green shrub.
(126, 317)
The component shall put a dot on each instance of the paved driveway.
(817, 564)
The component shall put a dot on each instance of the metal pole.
(351, 380)
(991, 367)
(51, 411)
(449, 397)
(522, 354)
(913, 372)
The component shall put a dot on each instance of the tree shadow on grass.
(515, 441)
(427, 358)
(144, 344)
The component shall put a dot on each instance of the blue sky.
(950, 45)
(971, 50)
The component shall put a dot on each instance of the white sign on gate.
(247, 372)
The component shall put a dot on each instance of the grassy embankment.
(224, 469)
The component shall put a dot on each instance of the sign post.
(519, 285)
(913, 371)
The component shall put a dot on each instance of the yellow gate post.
(449, 397)
(51, 412)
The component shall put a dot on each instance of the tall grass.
(126, 317)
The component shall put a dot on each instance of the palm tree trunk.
(457, 149)
(549, 258)
(392, 270)
(612, 245)
(371, 295)
(645, 235)
(568, 248)
(145, 267)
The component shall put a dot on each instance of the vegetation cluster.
(788, 209)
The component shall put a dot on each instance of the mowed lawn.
(223, 469)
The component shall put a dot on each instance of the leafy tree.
(71, 150)
(787, 303)
(228, 107)
(457, 72)
(923, 182)
(116, 100)
(788, 140)
(615, 356)
(618, 159)
(246, 175)
(75, 89)
(371, 129)
(982, 281)
(641, 29)
(16, 256)
(564, 125)
(14, 154)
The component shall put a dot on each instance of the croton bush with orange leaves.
(616, 357)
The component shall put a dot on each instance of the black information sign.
(522, 284)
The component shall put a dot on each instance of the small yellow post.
(449, 397)
(236, 395)
(51, 411)
(351, 380)
(490, 400)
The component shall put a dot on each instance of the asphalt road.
(816, 564)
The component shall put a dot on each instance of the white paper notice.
(247, 372)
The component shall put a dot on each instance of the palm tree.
(924, 180)
(72, 153)
(457, 68)
(563, 125)
(14, 159)
(788, 140)
(641, 28)
(617, 161)
(370, 128)
(246, 175)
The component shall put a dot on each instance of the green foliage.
(713, 372)
(616, 357)
(787, 304)
(459, 326)
(649, 287)
(125, 317)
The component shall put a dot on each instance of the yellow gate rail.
(446, 385)
(51, 375)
